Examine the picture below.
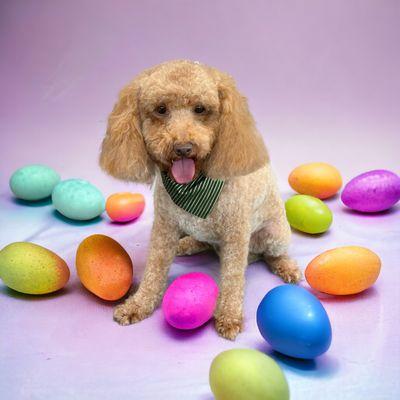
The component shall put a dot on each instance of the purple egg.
(372, 191)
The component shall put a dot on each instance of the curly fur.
(247, 223)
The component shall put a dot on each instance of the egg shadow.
(5, 290)
(123, 223)
(392, 210)
(319, 367)
(367, 294)
(33, 203)
(184, 334)
(74, 222)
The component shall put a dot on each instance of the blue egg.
(78, 199)
(294, 322)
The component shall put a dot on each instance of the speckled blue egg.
(78, 199)
(33, 182)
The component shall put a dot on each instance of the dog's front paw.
(228, 327)
(286, 268)
(130, 312)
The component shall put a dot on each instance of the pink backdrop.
(323, 83)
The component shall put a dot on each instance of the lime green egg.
(32, 269)
(33, 182)
(308, 214)
(246, 374)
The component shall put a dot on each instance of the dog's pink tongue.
(183, 170)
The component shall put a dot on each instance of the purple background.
(323, 83)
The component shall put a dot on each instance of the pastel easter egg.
(190, 300)
(294, 322)
(123, 207)
(316, 179)
(104, 267)
(78, 199)
(32, 269)
(344, 270)
(308, 214)
(246, 374)
(33, 182)
(372, 191)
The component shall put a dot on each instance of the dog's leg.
(273, 242)
(285, 267)
(188, 246)
(233, 255)
(163, 246)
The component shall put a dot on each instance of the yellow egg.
(316, 179)
(32, 269)
(104, 267)
(344, 270)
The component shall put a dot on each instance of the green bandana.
(197, 197)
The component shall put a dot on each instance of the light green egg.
(78, 199)
(308, 214)
(33, 182)
(245, 374)
(32, 269)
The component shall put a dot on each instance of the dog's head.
(184, 118)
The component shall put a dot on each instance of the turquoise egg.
(33, 182)
(78, 199)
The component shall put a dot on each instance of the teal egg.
(78, 199)
(33, 182)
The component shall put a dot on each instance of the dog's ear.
(239, 148)
(123, 152)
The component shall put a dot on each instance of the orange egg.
(104, 267)
(344, 270)
(123, 207)
(316, 179)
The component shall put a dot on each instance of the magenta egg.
(372, 191)
(190, 300)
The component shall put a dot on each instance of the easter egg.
(33, 182)
(308, 214)
(190, 300)
(316, 179)
(104, 267)
(294, 322)
(78, 199)
(372, 191)
(123, 207)
(246, 374)
(344, 270)
(32, 269)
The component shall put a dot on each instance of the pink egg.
(190, 300)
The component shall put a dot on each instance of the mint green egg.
(308, 214)
(33, 182)
(246, 374)
(78, 199)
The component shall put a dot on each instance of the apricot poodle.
(186, 127)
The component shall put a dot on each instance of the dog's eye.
(161, 109)
(199, 109)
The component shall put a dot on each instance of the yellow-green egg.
(246, 374)
(32, 269)
(308, 214)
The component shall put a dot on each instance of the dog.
(186, 128)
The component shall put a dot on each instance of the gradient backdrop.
(322, 78)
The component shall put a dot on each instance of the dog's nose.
(183, 149)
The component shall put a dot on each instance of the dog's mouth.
(183, 170)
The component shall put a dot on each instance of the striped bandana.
(197, 197)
